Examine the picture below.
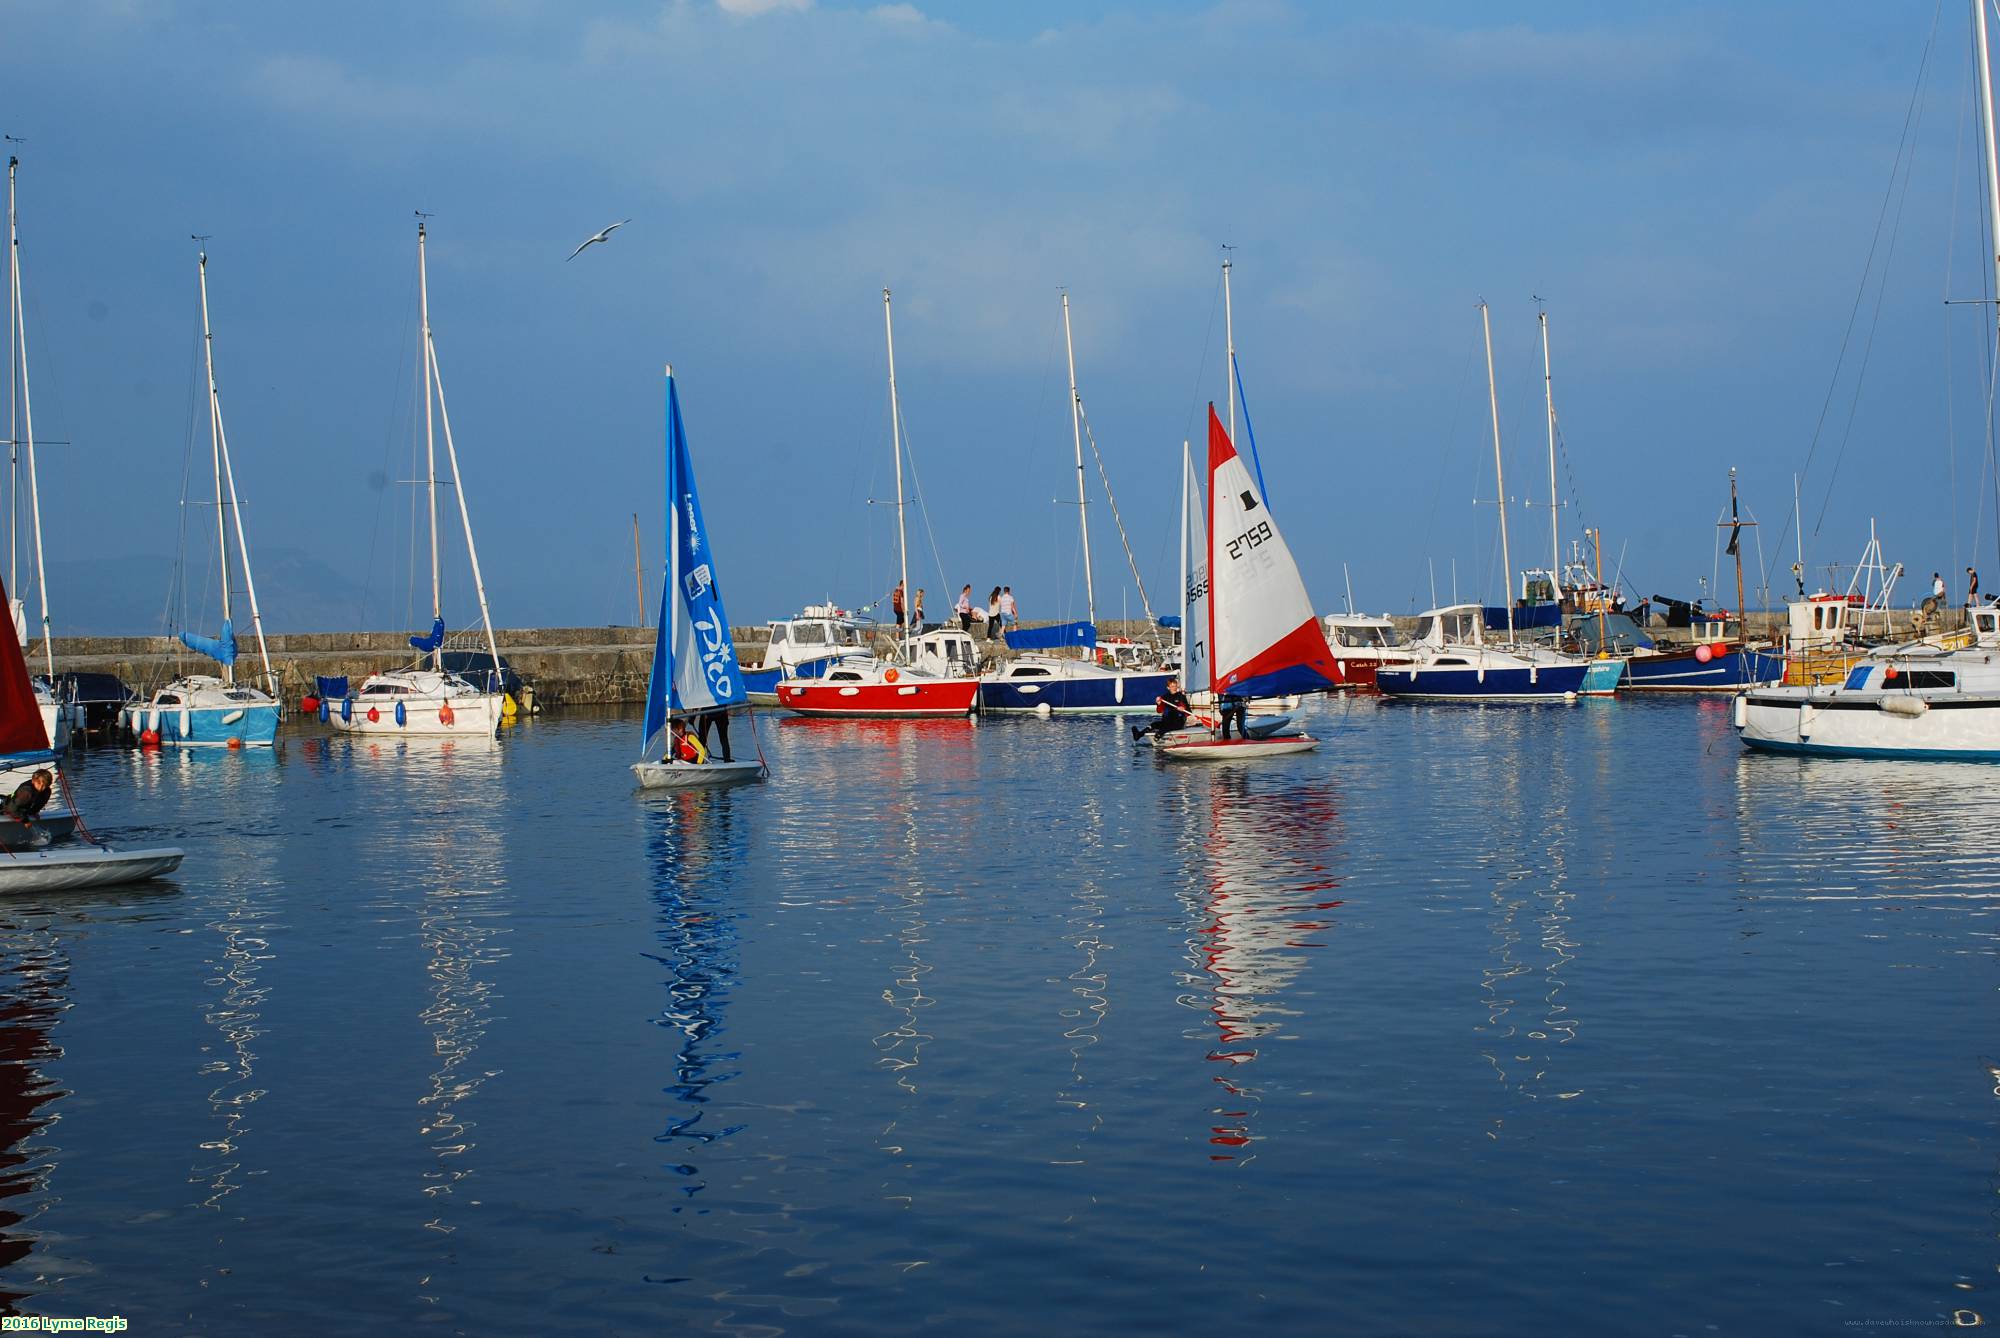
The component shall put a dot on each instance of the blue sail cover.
(221, 649)
(694, 657)
(427, 644)
(1053, 638)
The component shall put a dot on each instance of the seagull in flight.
(603, 236)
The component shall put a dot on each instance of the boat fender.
(1702, 654)
(1044, 710)
(402, 716)
(153, 721)
(149, 739)
(346, 709)
(235, 742)
(309, 703)
(186, 724)
(1911, 707)
(891, 676)
(445, 714)
(325, 711)
(1743, 712)
(374, 714)
(233, 716)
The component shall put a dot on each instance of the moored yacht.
(803, 647)
(1452, 661)
(1362, 645)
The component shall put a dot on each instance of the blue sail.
(427, 644)
(221, 649)
(694, 660)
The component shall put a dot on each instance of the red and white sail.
(1263, 640)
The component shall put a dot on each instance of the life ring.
(891, 676)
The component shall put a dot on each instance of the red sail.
(21, 729)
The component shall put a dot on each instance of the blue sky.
(1693, 189)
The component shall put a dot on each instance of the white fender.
(153, 720)
(1742, 711)
(233, 716)
(1044, 710)
(186, 723)
(1908, 707)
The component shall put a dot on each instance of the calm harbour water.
(1500, 1020)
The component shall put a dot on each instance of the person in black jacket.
(1172, 709)
(28, 799)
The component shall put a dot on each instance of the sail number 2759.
(1257, 534)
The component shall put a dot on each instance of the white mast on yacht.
(1499, 477)
(1992, 180)
(430, 441)
(436, 382)
(1229, 341)
(1549, 392)
(896, 442)
(225, 487)
(1076, 430)
(1187, 477)
(13, 417)
(27, 410)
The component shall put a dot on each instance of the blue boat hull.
(1544, 683)
(254, 727)
(1103, 695)
(765, 681)
(1681, 671)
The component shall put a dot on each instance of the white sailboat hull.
(68, 869)
(695, 775)
(1212, 749)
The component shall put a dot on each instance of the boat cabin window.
(1914, 680)
(169, 699)
(241, 696)
(1538, 589)
(844, 676)
(384, 690)
(1857, 677)
(1448, 659)
(809, 634)
(1029, 671)
(778, 634)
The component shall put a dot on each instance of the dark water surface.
(1516, 1020)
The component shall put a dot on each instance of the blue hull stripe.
(1075, 694)
(1556, 681)
(1907, 754)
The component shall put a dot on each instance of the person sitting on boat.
(1239, 707)
(1172, 709)
(683, 746)
(718, 719)
(29, 797)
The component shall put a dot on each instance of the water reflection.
(1090, 999)
(1265, 852)
(695, 849)
(34, 981)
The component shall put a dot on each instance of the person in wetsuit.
(718, 718)
(1172, 708)
(29, 797)
(1238, 707)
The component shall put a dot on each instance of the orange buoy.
(149, 738)
(235, 743)
(374, 714)
(891, 676)
(446, 715)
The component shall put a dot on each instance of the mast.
(28, 416)
(896, 445)
(673, 627)
(13, 402)
(1736, 547)
(430, 441)
(1187, 473)
(1499, 477)
(215, 449)
(638, 561)
(1549, 391)
(1992, 196)
(1799, 538)
(1597, 542)
(226, 485)
(464, 516)
(1229, 339)
(1076, 430)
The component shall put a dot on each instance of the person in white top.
(1007, 616)
(964, 609)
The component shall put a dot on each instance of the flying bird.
(603, 236)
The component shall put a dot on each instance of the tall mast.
(13, 403)
(1076, 430)
(638, 561)
(673, 626)
(1597, 543)
(28, 421)
(430, 440)
(215, 449)
(1499, 477)
(1187, 475)
(1229, 340)
(1992, 193)
(1549, 391)
(896, 444)
(1736, 547)
(226, 486)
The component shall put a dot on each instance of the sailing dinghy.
(24, 746)
(1261, 637)
(694, 658)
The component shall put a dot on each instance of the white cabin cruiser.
(1912, 700)
(418, 701)
(804, 647)
(1362, 644)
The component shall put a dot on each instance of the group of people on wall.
(999, 614)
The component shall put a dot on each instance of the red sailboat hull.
(910, 699)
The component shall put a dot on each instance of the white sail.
(1194, 594)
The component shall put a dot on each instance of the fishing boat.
(28, 863)
(1715, 661)
(1051, 684)
(694, 658)
(885, 687)
(207, 710)
(1362, 645)
(1454, 660)
(49, 705)
(1261, 638)
(427, 698)
(803, 647)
